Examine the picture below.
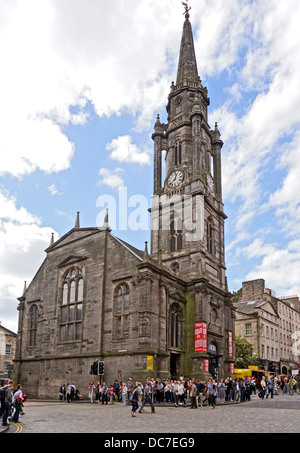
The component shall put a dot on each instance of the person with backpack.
(6, 397)
(17, 403)
(147, 398)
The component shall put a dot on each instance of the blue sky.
(81, 85)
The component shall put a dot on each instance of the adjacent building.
(270, 324)
(7, 351)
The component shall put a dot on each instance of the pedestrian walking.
(147, 398)
(91, 391)
(263, 387)
(167, 391)
(181, 393)
(111, 394)
(221, 391)
(104, 393)
(6, 402)
(175, 392)
(236, 390)
(97, 392)
(270, 386)
(124, 391)
(62, 392)
(193, 392)
(201, 388)
(248, 389)
(212, 392)
(17, 403)
(134, 400)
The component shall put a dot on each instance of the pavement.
(83, 417)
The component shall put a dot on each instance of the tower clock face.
(175, 178)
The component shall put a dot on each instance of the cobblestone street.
(280, 415)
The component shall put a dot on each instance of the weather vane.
(187, 9)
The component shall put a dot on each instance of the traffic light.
(94, 369)
(100, 368)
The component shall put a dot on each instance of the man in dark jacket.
(200, 387)
(147, 398)
(5, 410)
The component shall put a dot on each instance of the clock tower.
(187, 217)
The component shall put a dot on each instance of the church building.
(160, 312)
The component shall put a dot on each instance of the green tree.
(243, 352)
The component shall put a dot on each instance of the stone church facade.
(161, 312)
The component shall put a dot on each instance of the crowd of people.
(11, 403)
(196, 392)
(155, 392)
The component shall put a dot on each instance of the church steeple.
(187, 65)
(190, 189)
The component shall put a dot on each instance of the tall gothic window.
(122, 311)
(175, 326)
(71, 305)
(33, 316)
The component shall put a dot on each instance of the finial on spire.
(106, 221)
(187, 9)
(146, 254)
(77, 223)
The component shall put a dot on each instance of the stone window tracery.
(175, 326)
(71, 305)
(122, 301)
(33, 316)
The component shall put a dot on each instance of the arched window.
(209, 236)
(175, 326)
(71, 305)
(33, 317)
(177, 153)
(121, 311)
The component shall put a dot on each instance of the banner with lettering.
(198, 337)
(204, 341)
(230, 343)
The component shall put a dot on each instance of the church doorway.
(213, 366)
(174, 366)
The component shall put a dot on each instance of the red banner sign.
(206, 366)
(232, 368)
(198, 337)
(230, 343)
(204, 327)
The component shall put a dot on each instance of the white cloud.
(279, 267)
(123, 150)
(53, 190)
(111, 178)
(22, 245)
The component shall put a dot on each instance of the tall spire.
(187, 66)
